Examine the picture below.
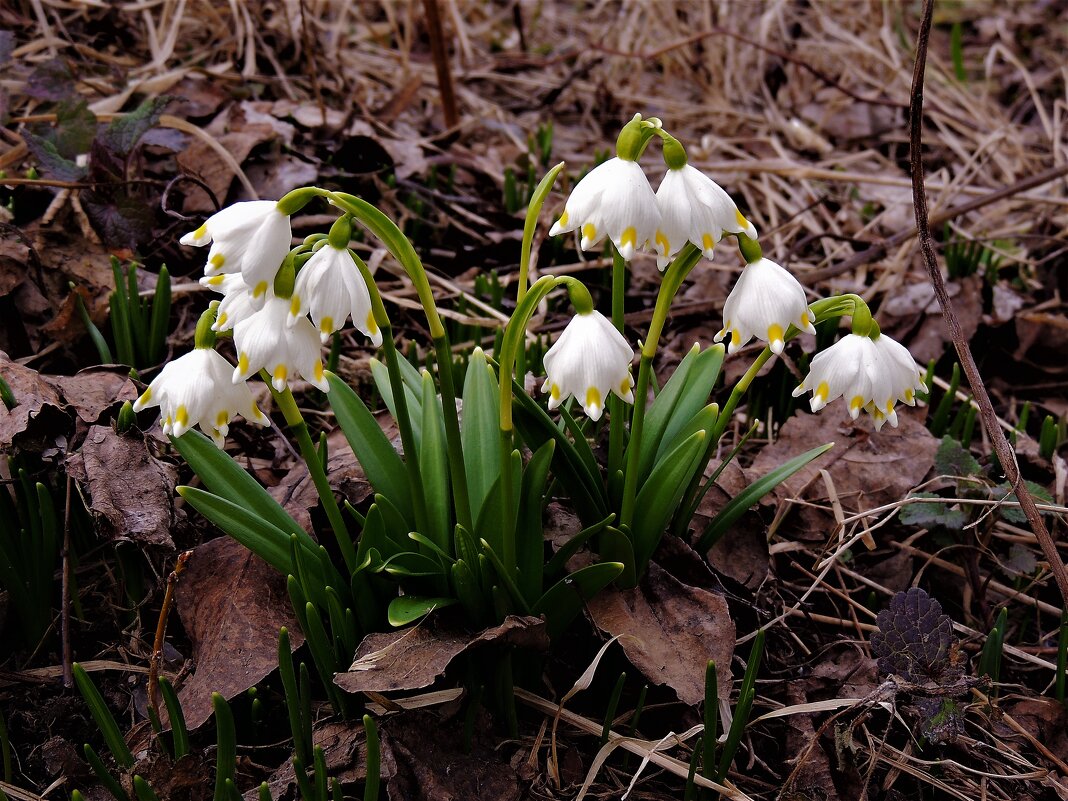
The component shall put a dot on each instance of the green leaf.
(470, 594)
(160, 319)
(952, 459)
(105, 721)
(529, 533)
(929, 515)
(615, 546)
(409, 608)
(412, 395)
(411, 564)
(126, 130)
(682, 397)
(572, 546)
(481, 433)
(1014, 514)
(753, 493)
(224, 477)
(381, 463)
(660, 495)
(566, 599)
(434, 466)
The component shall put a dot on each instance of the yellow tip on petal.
(201, 232)
(856, 404)
(221, 321)
(261, 289)
(589, 231)
(372, 324)
(554, 392)
(181, 417)
(216, 280)
(326, 325)
(280, 374)
(624, 387)
(707, 242)
(294, 306)
(736, 338)
(563, 219)
(221, 419)
(775, 333)
(242, 364)
(890, 406)
(822, 391)
(662, 243)
(593, 398)
(319, 372)
(909, 395)
(142, 401)
(629, 237)
(217, 260)
(741, 219)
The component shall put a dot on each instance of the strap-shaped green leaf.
(409, 608)
(467, 590)
(615, 546)
(481, 432)
(529, 534)
(566, 598)
(105, 721)
(225, 478)
(434, 467)
(412, 396)
(555, 566)
(413, 564)
(381, 463)
(659, 496)
(704, 420)
(685, 393)
(753, 493)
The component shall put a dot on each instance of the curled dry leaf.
(414, 657)
(868, 468)
(93, 391)
(675, 629)
(37, 413)
(126, 488)
(232, 605)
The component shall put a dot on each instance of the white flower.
(849, 368)
(331, 287)
(613, 200)
(589, 360)
(693, 207)
(765, 302)
(237, 303)
(251, 238)
(900, 377)
(195, 389)
(265, 341)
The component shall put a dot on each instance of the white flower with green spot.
(196, 390)
(765, 302)
(613, 200)
(848, 368)
(265, 341)
(251, 238)
(693, 208)
(331, 288)
(589, 360)
(900, 377)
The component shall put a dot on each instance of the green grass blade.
(105, 721)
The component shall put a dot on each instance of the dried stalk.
(1001, 445)
(161, 631)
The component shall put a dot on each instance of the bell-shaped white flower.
(196, 389)
(694, 208)
(265, 341)
(613, 200)
(899, 378)
(237, 303)
(589, 360)
(331, 287)
(847, 368)
(765, 302)
(251, 238)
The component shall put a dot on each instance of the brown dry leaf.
(743, 554)
(906, 307)
(430, 763)
(1044, 720)
(414, 657)
(126, 488)
(812, 778)
(869, 468)
(1043, 336)
(38, 409)
(94, 390)
(232, 605)
(674, 630)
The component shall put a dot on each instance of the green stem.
(673, 278)
(401, 249)
(295, 420)
(615, 403)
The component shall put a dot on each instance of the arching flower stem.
(616, 421)
(674, 276)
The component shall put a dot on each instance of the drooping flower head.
(196, 390)
(237, 302)
(614, 199)
(331, 287)
(765, 302)
(264, 340)
(694, 208)
(871, 374)
(589, 360)
(251, 238)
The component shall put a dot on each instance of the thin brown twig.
(1002, 449)
(161, 631)
(441, 62)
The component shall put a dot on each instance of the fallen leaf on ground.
(37, 411)
(232, 605)
(414, 657)
(431, 764)
(126, 488)
(93, 391)
(674, 630)
(868, 468)
(345, 750)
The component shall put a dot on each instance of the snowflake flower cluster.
(250, 244)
